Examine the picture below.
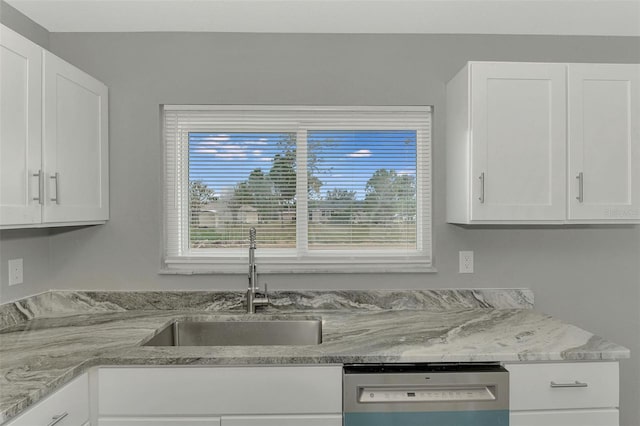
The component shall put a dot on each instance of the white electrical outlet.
(466, 262)
(15, 271)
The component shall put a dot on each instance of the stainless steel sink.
(239, 333)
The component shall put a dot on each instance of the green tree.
(390, 196)
(274, 192)
(199, 195)
(283, 176)
(337, 194)
(261, 194)
(342, 203)
(285, 164)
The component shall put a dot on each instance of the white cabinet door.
(160, 421)
(304, 420)
(565, 418)
(75, 144)
(20, 129)
(518, 142)
(69, 406)
(211, 391)
(604, 142)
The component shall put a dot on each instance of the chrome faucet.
(253, 296)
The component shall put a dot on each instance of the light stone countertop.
(40, 355)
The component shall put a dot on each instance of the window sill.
(280, 266)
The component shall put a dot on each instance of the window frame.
(295, 260)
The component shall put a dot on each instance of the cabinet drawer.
(553, 386)
(72, 399)
(208, 391)
(608, 417)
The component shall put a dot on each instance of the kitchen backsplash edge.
(66, 302)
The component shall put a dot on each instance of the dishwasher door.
(426, 395)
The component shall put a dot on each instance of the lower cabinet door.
(68, 406)
(160, 421)
(608, 417)
(274, 420)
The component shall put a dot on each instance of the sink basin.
(239, 333)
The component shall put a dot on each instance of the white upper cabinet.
(537, 143)
(76, 149)
(604, 142)
(518, 138)
(20, 129)
(54, 140)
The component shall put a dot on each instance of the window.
(328, 189)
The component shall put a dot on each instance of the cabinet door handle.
(40, 177)
(575, 384)
(580, 196)
(481, 197)
(56, 177)
(57, 419)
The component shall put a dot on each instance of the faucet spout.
(253, 299)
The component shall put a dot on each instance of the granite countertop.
(39, 355)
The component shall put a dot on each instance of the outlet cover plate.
(466, 262)
(16, 271)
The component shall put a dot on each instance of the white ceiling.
(557, 17)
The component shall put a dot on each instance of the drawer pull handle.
(57, 419)
(575, 384)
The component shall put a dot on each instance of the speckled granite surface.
(57, 303)
(38, 356)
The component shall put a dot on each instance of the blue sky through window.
(345, 159)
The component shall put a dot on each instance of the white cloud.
(266, 159)
(206, 151)
(360, 153)
(257, 152)
(212, 140)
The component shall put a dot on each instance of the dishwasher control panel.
(375, 394)
(428, 391)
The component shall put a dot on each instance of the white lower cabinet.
(307, 420)
(220, 396)
(151, 421)
(67, 407)
(564, 394)
(606, 417)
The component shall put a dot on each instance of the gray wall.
(589, 276)
(31, 246)
(19, 23)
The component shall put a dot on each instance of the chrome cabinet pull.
(481, 197)
(57, 419)
(580, 196)
(40, 177)
(575, 384)
(56, 177)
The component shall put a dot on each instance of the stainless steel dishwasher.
(425, 395)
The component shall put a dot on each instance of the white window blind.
(327, 188)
